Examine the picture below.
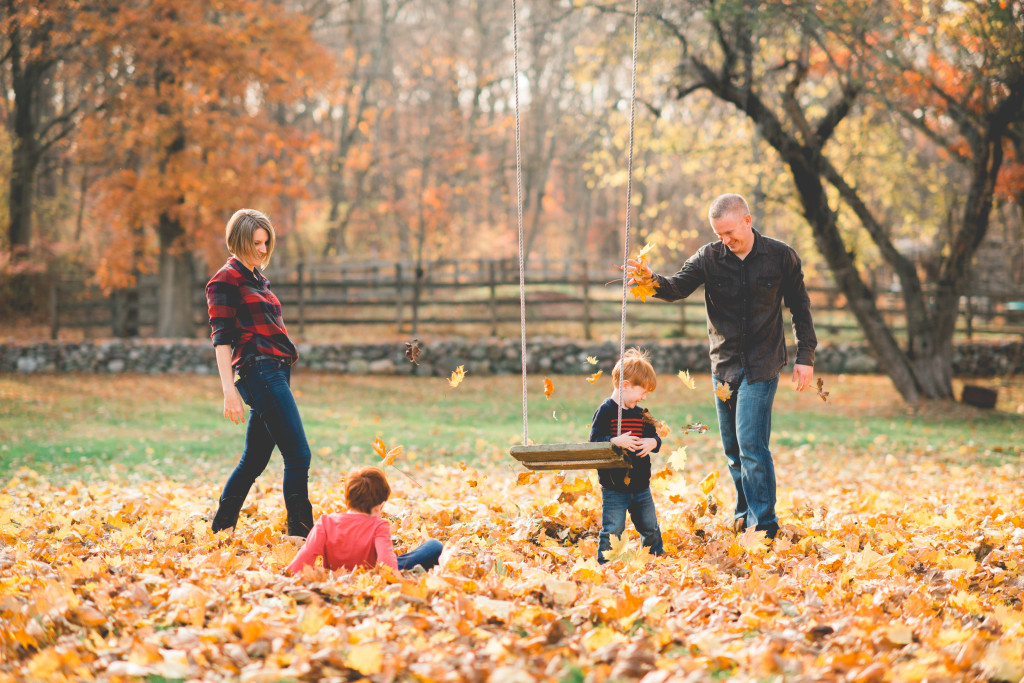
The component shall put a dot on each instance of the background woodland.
(885, 143)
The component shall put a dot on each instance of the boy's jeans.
(273, 421)
(426, 555)
(745, 422)
(640, 505)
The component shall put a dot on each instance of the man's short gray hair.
(726, 204)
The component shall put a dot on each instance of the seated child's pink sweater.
(347, 540)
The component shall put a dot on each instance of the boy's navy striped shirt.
(635, 421)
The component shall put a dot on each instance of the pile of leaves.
(886, 569)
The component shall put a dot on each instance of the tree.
(52, 76)
(799, 70)
(196, 131)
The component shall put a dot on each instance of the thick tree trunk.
(174, 315)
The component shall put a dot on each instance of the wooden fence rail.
(481, 296)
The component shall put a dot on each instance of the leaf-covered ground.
(900, 557)
(890, 567)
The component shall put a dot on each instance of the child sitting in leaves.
(360, 537)
(628, 489)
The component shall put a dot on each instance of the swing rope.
(519, 210)
(629, 201)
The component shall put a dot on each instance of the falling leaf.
(549, 388)
(592, 360)
(677, 459)
(695, 428)
(708, 483)
(593, 378)
(457, 376)
(822, 392)
(388, 456)
(662, 428)
(684, 375)
(413, 351)
(722, 391)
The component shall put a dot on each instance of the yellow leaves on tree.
(644, 285)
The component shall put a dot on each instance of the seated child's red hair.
(366, 488)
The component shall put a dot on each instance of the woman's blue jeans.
(426, 555)
(640, 506)
(265, 386)
(745, 422)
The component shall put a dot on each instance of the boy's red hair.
(366, 488)
(636, 369)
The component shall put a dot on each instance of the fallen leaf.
(593, 378)
(549, 388)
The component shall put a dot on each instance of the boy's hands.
(640, 447)
(646, 446)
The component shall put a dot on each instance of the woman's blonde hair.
(636, 369)
(240, 236)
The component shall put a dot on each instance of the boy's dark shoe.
(227, 513)
(300, 515)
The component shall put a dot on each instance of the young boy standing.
(628, 489)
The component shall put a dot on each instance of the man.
(746, 277)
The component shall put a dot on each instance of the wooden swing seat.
(570, 456)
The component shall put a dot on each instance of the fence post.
(969, 316)
(416, 287)
(494, 299)
(398, 296)
(54, 308)
(587, 332)
(682, 319)
(299, 267)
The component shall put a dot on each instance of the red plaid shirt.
(246, 315)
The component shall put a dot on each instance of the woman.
(254, 359)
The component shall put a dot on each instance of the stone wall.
(482, 357)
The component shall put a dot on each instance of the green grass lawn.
(133, 426)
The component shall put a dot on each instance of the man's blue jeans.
(426, 555)
(745, 422)
(265, 386)
(640, 506)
